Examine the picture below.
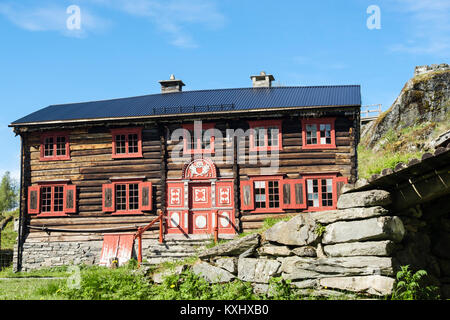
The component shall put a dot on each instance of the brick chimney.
(172, 85)
(262, 80)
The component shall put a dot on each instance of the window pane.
(133, 196)
(46, 199)
(327, 192)
(260, 194)
(206, 140)
(273, 133)
(274, 195)
(61, 146)
(325, 134)
(120, 144)
(133, 143)
(259, 137)
(121, 196)
(311, 134)
(48, 147)
(58, 198)
(313, 192)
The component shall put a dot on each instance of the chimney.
(172, 85)
(262, 80)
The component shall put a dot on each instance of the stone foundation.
(37, 255)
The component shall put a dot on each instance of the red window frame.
(319, 179)
(251, 206)
(55, 136)
(126, 132)
(127, 211)
(40, 188)
(265, 124)
(266, 179)
(198, 149)
(318, 122)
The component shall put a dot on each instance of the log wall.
(91, 165)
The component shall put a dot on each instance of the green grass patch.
(371, 162)
(31, 289)
(8, 234)
(54, 272)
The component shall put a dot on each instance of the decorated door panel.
(200, 222)
(226, 221)
(195, 201)
(175, 194)
(224, 194)
(178, 221)
(200, 195)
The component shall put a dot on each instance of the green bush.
(188, 286)
(101, 283)
(412, 286)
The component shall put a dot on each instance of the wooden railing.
(141, 231)
(366, 113)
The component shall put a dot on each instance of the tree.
(8, 193)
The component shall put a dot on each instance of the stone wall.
(37, 255)
(352, 248)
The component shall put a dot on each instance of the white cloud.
(50, 18)
(428, 27)
(172, 17)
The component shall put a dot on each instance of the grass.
(372, 162)
(8, 234)
(125, 283)
(398, 146)
(267, 224)
(30, 289)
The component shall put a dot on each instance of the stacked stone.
(350, 249)
(38, 255)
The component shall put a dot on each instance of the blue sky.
(124, 47)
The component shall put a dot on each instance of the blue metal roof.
(201, 101)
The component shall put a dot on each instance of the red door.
(200, 208)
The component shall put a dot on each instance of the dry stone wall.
(352, 248)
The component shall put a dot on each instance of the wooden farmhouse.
(195, 163)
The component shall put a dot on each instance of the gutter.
(178, 115)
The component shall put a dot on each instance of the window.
(198, 139)
(264, 193)
(127, 143)
(276, 193)
(52, 199)
(318, 133)
(322, 191)
(127, 197)
(54, 146)
(265, 135)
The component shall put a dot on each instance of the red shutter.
(175, 194)
(145, 196)
(340, 182)
(224, 194)
(70, 198)
(34, 203)
(247, 201)
(293, 194)
(108, 203)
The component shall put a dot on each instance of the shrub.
(411, 286)
(101, 283)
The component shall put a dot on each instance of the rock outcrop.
(425, 99)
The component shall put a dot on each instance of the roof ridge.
(202, 90)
